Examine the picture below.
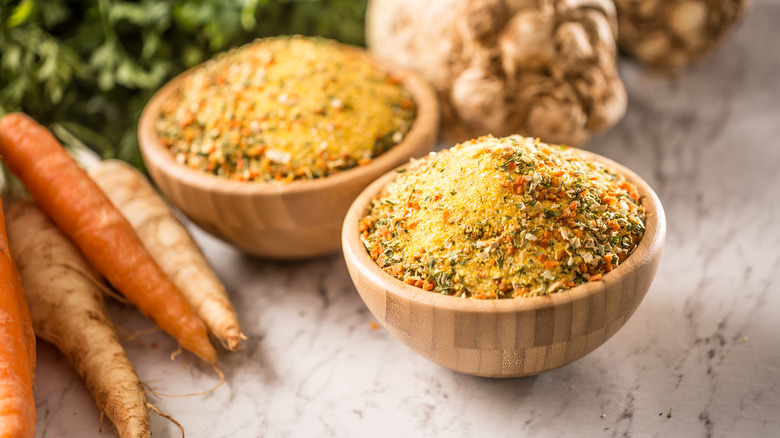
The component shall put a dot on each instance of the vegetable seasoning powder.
(503, 218)
(285, 108)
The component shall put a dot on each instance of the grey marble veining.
(704, 343)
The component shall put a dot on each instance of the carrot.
(17, 349)
(170, 245)
(83, 212)
(67, 310)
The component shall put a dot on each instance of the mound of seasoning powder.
(285, 108)
(503, 218)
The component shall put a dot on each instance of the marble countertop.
(700, 357)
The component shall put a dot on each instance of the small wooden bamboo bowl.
(284, 221)
(510, 337)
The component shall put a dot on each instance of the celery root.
(540, 68)
(670, 35)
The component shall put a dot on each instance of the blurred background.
(91, 66)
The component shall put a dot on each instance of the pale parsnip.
(67, 310)
(171, 246)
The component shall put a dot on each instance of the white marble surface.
(704, 343)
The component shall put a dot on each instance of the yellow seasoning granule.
(283, 109)
(503, 218)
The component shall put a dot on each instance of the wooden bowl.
(284, 221)
(507, 337)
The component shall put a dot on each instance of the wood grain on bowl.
(507, 337)
(285, 221)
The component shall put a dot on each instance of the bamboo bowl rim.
(158, 156)
(648, 248)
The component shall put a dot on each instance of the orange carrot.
(170, 245)
(83, 212)
(17, 349)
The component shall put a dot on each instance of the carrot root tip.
(176, 353)
(168, 417)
